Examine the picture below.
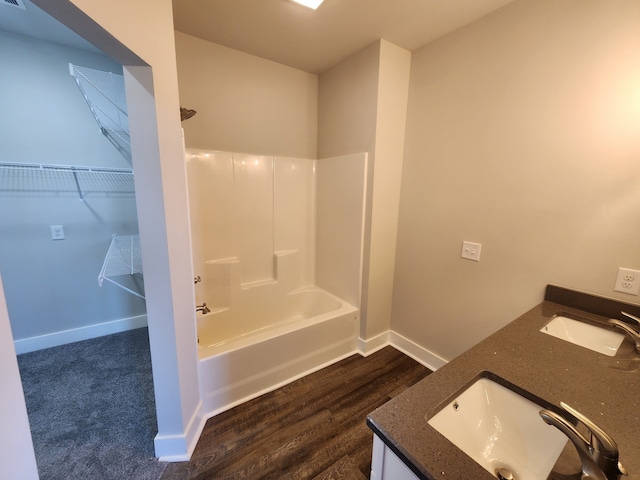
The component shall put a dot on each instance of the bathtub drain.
(504, 474)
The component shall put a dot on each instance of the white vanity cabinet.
(385, 465)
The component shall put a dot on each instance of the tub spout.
(202, 308)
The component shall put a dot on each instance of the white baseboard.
(372, 345)
(406, 346)
(415, 351)
(55, 339)
(179, 448)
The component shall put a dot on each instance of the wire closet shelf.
(123, 258)
(65, 179)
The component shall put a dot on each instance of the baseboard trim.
(372, 345)
(404, 345)
(415, 351)
(56, 339)
(179, 448)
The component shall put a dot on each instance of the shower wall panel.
(210, 176)
(246, 210)
(294, 220)
(253, 203)
(341, 198)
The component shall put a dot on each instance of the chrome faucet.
(599, 456)
(202, 308)
(634, 333)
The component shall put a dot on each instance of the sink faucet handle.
(599, 456)
(604, 449)
(590, 469)
(601, 441)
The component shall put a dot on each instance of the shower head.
(186, 114)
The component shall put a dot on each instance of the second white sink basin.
(500, 429)
(584, 334)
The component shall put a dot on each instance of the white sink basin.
(586, 335)
(500, 429)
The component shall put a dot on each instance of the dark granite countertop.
(605, 389)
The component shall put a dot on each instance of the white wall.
(245, 103)
(51, 286)
(523, 134)
(144, 43)
(16, 447)
(48, 120)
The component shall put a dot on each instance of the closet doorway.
(66, 188)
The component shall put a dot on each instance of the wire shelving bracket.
(105, 96)
(123, 258)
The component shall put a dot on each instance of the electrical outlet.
(628, 281)
(471, 251)
(57, 232)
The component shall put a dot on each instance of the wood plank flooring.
(311, 429)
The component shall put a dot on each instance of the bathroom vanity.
(533, 366)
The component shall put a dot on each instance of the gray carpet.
(91, 409)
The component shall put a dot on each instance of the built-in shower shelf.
(123, 258)
(62, 180)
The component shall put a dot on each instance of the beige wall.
(362, 108)
(347, 105)
(393, 87)
(523, 134)
(347, 113)
(245, 103)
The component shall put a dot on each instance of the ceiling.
(285, 32)
(315, 40)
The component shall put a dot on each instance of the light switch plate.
(471, 251)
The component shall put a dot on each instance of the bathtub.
(246, 351)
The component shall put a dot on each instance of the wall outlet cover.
(628, 281)
(57, 232)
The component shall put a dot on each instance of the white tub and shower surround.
(250, 207)
(322, 330)
(256, 233)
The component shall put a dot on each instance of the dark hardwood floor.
(313, 428)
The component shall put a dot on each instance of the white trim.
(212, 404)
(280, 384)
(221, 397)
(166, 446)
(367, 347)
(415, 351)
(56, 339)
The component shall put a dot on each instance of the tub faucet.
(202, 308)
(599, 456)
(634, 332)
